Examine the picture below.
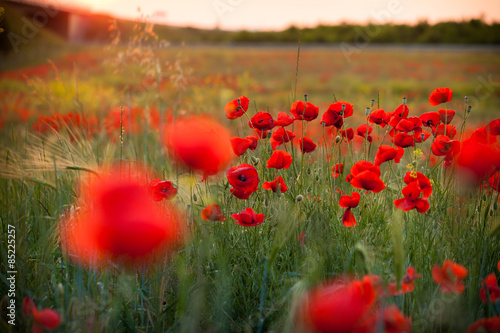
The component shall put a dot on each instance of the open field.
(63, 124)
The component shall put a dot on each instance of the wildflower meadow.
(143, 190)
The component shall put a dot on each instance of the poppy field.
(242, 189)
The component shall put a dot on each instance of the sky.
(279, 14)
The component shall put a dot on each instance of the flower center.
(242, 178)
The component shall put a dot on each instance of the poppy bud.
(337, 139)
(308, 171)
(367, 112)
(469, 108)
(491, 213)
(484, 197)
(466, 98)
(305, 97)
(195, 198)
(60, 289)
(495, 206)
(343, 107)
(317, 178)
(255, 160)
(373, 102)
(404, 100)
(422, 136)
(299, 198)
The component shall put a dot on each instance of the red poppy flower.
(369, 179)
(361, 166)
(378, 117)
(280, 137)
(485, 325)
(199, 143)
(45, 319)
(423, 182)
(449, 130)
(337, 307)
(362, 129)
(255, 140)
(482, 136)
(303, 111)
(307, 145)
(404, 140)
(444, 146)
(283, 119)
(386, 153)
(349, 202)
(421, 137)
(477, 161)
(450, 277)
(248, 218)
(212, 213)
(490, 283)
(409, 124)
(430, 119)
(262, 121)
(408, 283)
(279, 160)
(412, 199)
(160, 190)
(244, 180)
(274, 185)
(333, 117)
(237, 107)
(337, 169)
(348, 133)
(240, 145)
(387, 320)
(344, 109)
(446, 115)
(440, 95)
(493, 127)
(401, 112)
(117, 221)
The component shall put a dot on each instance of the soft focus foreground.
(201, 189)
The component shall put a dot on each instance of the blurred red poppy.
(348, 133)
(440, 95)
(274, 185)
(401, 112)
(248, 218)
(307, 145)
(281, 136)
(244, 179)
(477, 161)
(283, 119)
(262, 121)
(255, 140)
(338, 306)
(430, 119)
(485, 325)
(404, 140)
(446, 115)
(237, 107)
(494, 183)
(378, 117)
(240, 145)
(493, 127)
(449, 130)
(386, 153)
(212, 212)
(337, 169)
(365, 175)
(46, 319)
(349, 202)
(199, 143)
(408, 283)
(302, 111)
(450, 277)
(482, 136)
(490, 284)
(279, 160)
(118, 222)
(412, 199)
(362, 129)
(344, 109)
(386, 320)
(333, 117)
(162, 189)
(444, 146)
(423, 182)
